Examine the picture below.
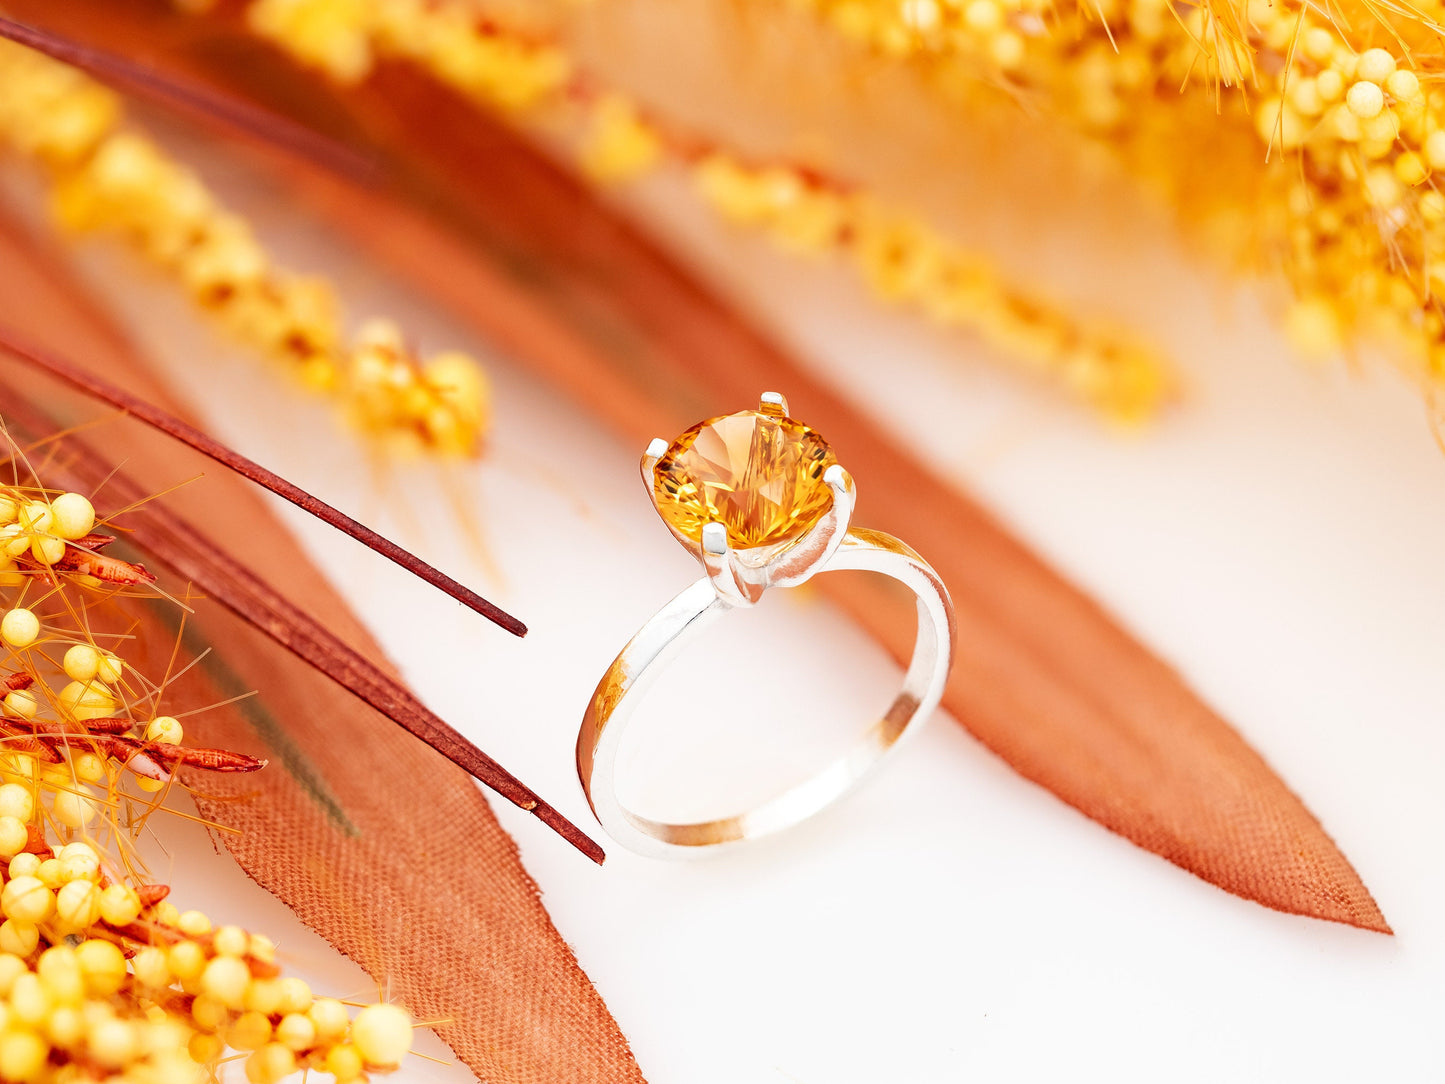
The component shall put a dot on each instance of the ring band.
(760, 479)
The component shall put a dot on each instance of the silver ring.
(760, 500)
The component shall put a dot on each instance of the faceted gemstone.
(759, 474)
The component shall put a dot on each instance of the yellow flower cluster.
(101, 978)
(346, 38)
(74, 718)
(96, 984)
(899, 257)
(1301, 139)
(905, 262)
(107, 177)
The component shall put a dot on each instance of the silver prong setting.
(714, 539)
(775, 400)
(735, 584)
(656, 449)
(814, 550)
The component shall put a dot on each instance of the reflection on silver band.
(688, 614)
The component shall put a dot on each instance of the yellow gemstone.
(759, 474)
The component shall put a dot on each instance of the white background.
(1280, 538)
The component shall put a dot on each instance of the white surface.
(1281, 540)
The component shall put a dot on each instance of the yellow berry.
(226, 979)
(29, 1002)
(1365, 100)
(119, 905)
(209, 1011)
(109, 669)
(262, 948)
(73, 809)
(231, 941)
(1376, 65)
(77, 904)
(149, 785)
(51, 873)
(74, 516)
(344, 1063)
(81, 662)
(1329, 85)
(205, 1049)
(23, 1056)
(271, 1063)
(295, 995)
(1382, 189)
(47, 549)
(250, 1031)
(1403, 85)
(65, 1027)
(23, 865)
(166, 913)
(11, 968)
(18, 938)
(19, 627)
(382, 1034)
(187, 960)
(330, 1019)
(296, 1032)
(16, 801)
(35, 518)
(26, 899)
(13, 836)
(103, 965)
(164, 728)
(151, 967)
(193, 924)
(264, 996)
(59, 973)
(88, 767)
(1318, 44)
(80, 859)
(87, 700)
(22, 702)
(112, 1043)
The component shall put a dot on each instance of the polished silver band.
(610, 710)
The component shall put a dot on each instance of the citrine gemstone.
(759, 474)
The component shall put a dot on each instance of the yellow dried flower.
(107, 177)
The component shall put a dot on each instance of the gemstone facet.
(760, 474)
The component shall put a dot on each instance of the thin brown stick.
(98, 388)
(190, 554)
(267, 128)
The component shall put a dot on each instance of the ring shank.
(687, 615)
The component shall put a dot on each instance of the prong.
(714, 539)
(729, 578)
(773, 402)
(816, 548)
(654, 452)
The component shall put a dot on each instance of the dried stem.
(167, 423)
(172, 540)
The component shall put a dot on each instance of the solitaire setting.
(761, 501)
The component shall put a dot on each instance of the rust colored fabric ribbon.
(375, 841)
(1045, 678)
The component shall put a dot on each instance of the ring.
(761, 500)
